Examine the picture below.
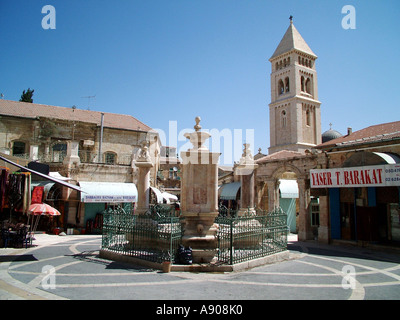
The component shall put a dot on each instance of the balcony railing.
(124, 159)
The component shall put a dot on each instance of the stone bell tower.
(294, 111)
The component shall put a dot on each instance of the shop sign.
(369, 176)
(108, 199)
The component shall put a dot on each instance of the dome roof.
(330, 135)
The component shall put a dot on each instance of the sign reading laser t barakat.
(370, 176)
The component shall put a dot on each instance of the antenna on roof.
(89, 97)
(2, 96)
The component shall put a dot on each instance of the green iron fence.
(157, 235)
(251, 236)
(149, 237)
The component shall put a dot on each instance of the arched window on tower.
(283, 119)
(287, 87)
(281, 88)
(308, 85)
(308, 117)
(302, 84)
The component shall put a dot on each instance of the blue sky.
(173, 60)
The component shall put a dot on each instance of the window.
(308, 118)
(314, 212)
(18, 148)
(283, 115)
(281, 88)
(110, 158)
(287, 87)
(59, 151)
(302, 84)
(308, 85)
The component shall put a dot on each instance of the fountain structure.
(199, 196)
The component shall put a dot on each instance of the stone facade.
(81, 145)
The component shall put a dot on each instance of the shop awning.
(229, 191)
(169, 197)
(108, 192)
(66, 184)
(288, 189)
(158, 194)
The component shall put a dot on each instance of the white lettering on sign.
(371, 176)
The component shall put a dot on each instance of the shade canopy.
(288, 189)
(42, 209)
(108, 192)
(229, 191)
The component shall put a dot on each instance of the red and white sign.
(370, 176)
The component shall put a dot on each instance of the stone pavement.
(69, 267)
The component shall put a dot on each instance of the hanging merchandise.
(3, 188)
(19, 191)
(37, 194)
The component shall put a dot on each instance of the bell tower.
(294, 111)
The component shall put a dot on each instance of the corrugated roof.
(34, 110)
(375, 133)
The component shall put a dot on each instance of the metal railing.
(251, 236)
(147, 237)
(156, 236)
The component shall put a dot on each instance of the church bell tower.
(294, 111)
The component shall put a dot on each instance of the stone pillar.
(305, 232)
(323, 229)
(34, 152)
(199, 197)
(246, 171)
(272, 197)
(144, 164)
(72, 156)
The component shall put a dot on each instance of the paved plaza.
(69, 267)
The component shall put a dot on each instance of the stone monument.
(144, 164)
(199, 196)
(246, 171)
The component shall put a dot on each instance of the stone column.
(305, 232)
(34, 152)
(323, 229)
(199, 197)
(144, 164)
(246, 171)
(72, 156)
(272, 197)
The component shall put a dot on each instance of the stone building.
(295, 129)
(360, 186)
(89, 148)
(301, 173)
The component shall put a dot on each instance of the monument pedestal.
(199, 197)
(201, 236)
(144, 165)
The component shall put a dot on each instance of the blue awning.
(288, 189)
(229, 191)
(108, 192)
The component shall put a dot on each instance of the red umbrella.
(41, 209)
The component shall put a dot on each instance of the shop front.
(363, 202)
(98, 196)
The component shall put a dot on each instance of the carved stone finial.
(144, 155)
(197, 127)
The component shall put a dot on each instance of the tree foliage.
(27, 96)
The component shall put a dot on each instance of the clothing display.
(15, 190)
